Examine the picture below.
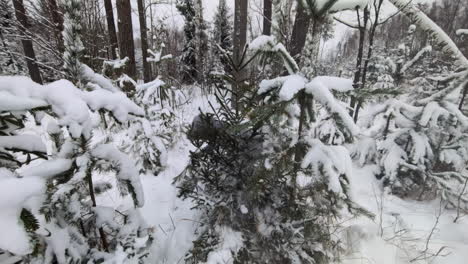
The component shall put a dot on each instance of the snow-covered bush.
(422, 144)
(148, 138)
(419, 138)
(60, 220)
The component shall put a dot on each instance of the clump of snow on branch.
(73, 106)
(126, 170)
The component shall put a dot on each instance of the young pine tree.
(264, 196)
(189, 56)
(222, 37)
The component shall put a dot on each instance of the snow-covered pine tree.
(148, 138)
(158, 53)
(189, 56)
(222, 37)
(281, 20)
(201, 43)
(61, 219)
(71, 225)
(259, 201)
(422, 149)
(72, 39)
(9, 63)
(17, 150)
(419, 141)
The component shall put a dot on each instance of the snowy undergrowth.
(401, 228)
(397, 235)
(171, 219)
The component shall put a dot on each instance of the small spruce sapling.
(258, 201)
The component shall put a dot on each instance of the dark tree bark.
(144, 40)
(462, 101)
(239, 41)
(26, 41)
(267, 13)
(111, 28)
(359, 66)
(370, 50)
(126, 45)
(300, 28)
(240, 28)
(57, 19)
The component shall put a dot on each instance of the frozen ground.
(401, 228)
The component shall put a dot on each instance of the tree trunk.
(267, 14)
(370, 50)
(239, 41)
(144, 40)
(299, 33)
(27, 43)
(358, 72)
(111, 28)
(126, 45)
(57, 19)
(240, 28)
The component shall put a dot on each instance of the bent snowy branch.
(416, 15)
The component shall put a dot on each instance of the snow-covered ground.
(401, 228)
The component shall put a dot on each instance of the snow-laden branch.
(416, 58)
(320, 87)
(267, 44)
(126, 170)
(72, 106)
(320, 7)
(416, 15)
(462, 32)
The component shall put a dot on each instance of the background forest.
(234, 131)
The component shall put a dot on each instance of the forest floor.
(402, 231)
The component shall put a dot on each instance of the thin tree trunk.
(239, 41)
(462, 101)
(57, 19)
(27, 43)
(102, 234)
(200, 45)
(240, 28)
(299, 33)
(267, 14)
(358, 72)
(144, 40)
(369, 55)
(111, 28)
(126, 45)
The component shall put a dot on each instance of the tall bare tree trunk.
(300, 29)
(267, 13)
(26, 41)
(111, 28)
(144, 40)
(370, 50)
(57, 19)
(240, 28)
(126, 45)
(239, 41)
